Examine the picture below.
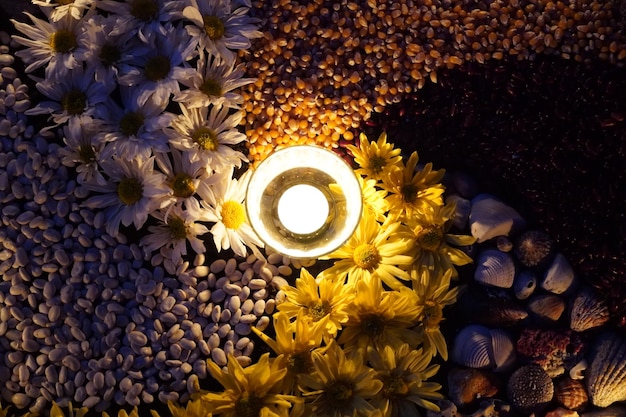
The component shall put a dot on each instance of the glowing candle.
(303, 209)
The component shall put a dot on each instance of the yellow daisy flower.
(373, 250)
(414, 192)
(294, 344)
(403, 372)
(434, 293)
(340, 386)
(249, 392)
(323, 301)
(194, 408)
(433, 252)
(379, 318)
(375, 159)
(374, 199)
(55, 411)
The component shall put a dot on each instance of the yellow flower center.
(144, 10)
(182, 185)
(433, 314)
(130, 123)
(157, 68)
(233, 214)
(178, 229)
(319, 310)
(430, 238)
(86, 154)
(205, 138)
(130, 191)
(248, 405)
(109, 54)
(300, 362)
(377, 163)
(394, 387)
(366, 256)
(211, 87)
(74, 102)
(409, 193)
(372, 325)
(63, 41)
(214, 27)
(338, 391)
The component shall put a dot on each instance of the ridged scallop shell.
(490, 217)
(530, 389)
(472, 347)
(524, 284)
(606, 376)
(534, 248)
(495, 268)
(587, 310)
(559, 278)
(571, 394)
(546, 307)
(504, 354)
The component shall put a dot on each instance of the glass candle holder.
(304, 201)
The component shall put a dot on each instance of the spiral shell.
(587, 310)
(571, 393)
(534, 248)
(606, 376)
(530, 389)
(495, 268)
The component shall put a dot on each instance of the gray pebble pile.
(91, 319)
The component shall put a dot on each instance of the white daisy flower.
(109, 54)
(220, 29)
(56, 44)
(56, 10)
(159, 71)
(80, 151)
(132, 192)
(223, 197)
(76, 94)
(176, 227)
(213, 83)
(141, 17)
(137, 128)
(208, 134)
(183, 175)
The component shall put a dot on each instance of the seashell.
(473, 348)
(493, 311)
(561, 412)
(467, 385)
(504, 244)
(504, 354)
(490, 217)
(524, 284)
(578, 370)
(606, 376)
(571, 393)
(495, 268)
(587, 310)
(612, 411)
(546, 307)
(530, 389)
(461, 212)
(559, 277)
(534, 248)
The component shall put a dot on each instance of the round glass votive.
(304, 201)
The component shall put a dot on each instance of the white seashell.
(504, 353)
(587, 310)
(606, 376)
(473, 347)
(559, 277)
(461, 212)
(547, 307)
(524, 284)
(490, 217)
(495, 268)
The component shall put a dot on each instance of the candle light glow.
(303, 209)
